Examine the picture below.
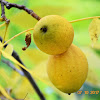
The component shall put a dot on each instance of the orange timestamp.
(88, 92)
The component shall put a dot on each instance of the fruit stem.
(84, 19)
(17, 36)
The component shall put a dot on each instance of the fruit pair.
(67, 66)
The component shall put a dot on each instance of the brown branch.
(21, 7)
(3, 13)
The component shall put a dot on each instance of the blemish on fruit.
(44, 29)
(69, 93)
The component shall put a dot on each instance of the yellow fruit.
(53, 34)
(68, 71)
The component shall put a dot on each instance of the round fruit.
(68, 71)
(53, 34)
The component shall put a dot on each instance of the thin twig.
(27, 74)
(13, 67)
(3, 11)
(21, 7)
(77, 20)
(25, 96)
(17, 35)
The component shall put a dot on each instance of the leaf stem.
(2, 24)
(77, 20)
(17, 36)
(5, 33)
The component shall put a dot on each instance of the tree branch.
(2, 10)
(21, 7)
(3, 13)
(13, 67)
(27, 74)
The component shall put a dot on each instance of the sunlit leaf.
(1, 45)
(4, 75)
(92, 78)
(5, 93)
(94, 30)
(42, 73)
(94, 66)
(33, 56)
(25, 20)
(8, 56)
(22, 87)
(16, 62)
(0, 48)
(9, 49)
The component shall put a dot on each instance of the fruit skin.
(68, 71)
(53, 34)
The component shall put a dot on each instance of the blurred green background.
(35, 60)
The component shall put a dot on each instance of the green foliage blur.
(32, 57)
